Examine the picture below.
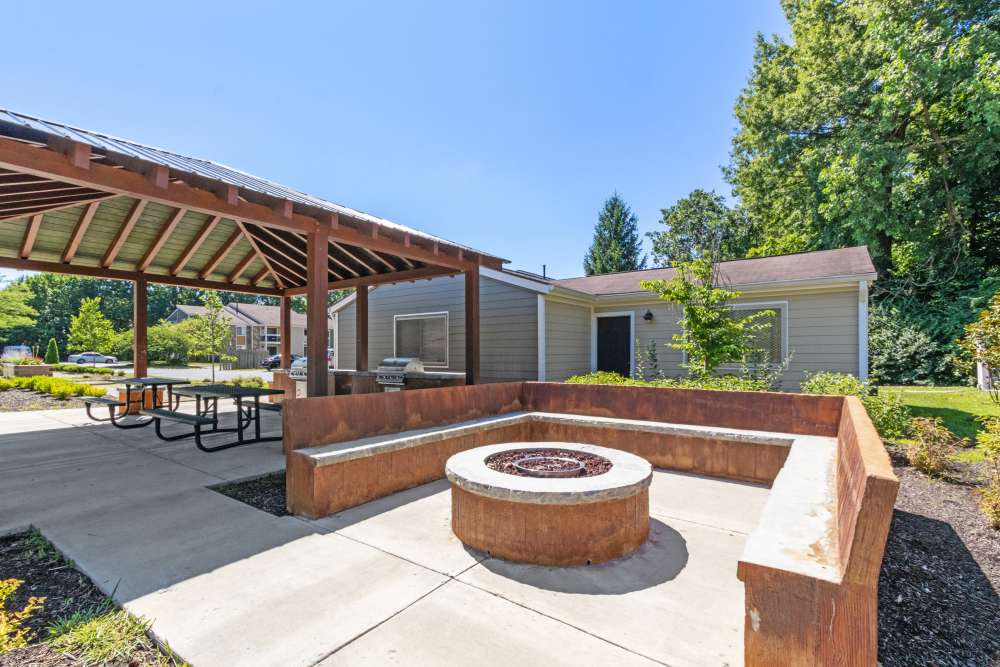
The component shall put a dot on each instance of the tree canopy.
(89, 329)
(15, 311)
(616, 245)
(699, 225)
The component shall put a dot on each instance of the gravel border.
(22, 400)
(266, 493)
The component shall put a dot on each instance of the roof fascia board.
(806, 285)
(516, 281)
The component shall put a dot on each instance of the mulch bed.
(266, 493)
(20, 400)
(592, 463)
(46, 573)
(939, 591)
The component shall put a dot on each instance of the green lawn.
(957, 407)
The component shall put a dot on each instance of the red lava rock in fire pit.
(548, 462)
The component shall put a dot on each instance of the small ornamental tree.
(89, 329)
(981, 343)
(711, 334)
(210, 332)
(52, 352)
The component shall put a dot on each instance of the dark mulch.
(20, 400)
(939, 591)
(548, 460)
(265, 493)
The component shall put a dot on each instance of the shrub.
(13, 633)
(23, 361)
(989, 496)
(933, 447)
(718, 383)
(58, 387)
(52, 352)
(900, 352)
(82, 370)
(887, 411)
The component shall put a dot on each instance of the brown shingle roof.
(817, 265)
(250, 313)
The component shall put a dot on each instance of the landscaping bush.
(933, 447)
(23, 361)
(989, 496)
(718, 383)
(241, 381)
(887, 411)
(52, 352)
(58, 387)
(13, 633)
(83, 370)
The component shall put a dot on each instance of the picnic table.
(206, 396)
(143, 387)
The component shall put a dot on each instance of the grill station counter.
(393, 374)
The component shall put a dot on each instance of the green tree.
(169, 342)
(702, 224)
(89, 329)
(15, 311)
(711, 333)
(52, 352)
(210, 334)
(981, 342)
(616, 245)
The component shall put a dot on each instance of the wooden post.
(361, 328)
(285, 331)
(317, 373)
(140, 322)
(472, 326)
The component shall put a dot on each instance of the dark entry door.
(613, 345)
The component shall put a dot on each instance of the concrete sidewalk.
(387, 582)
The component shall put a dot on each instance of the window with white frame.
(423, 336)
(771, 337)
(271, 335)
(240, 336)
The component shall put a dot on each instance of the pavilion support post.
(317, 317)
(361, 328)
(140, 322)
(285, 331)
(472, 326)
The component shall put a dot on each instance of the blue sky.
(501, 125)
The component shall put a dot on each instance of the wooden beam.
(317, 315)
(30, 234)
(353, 256)
(116, 245)
(371, 253)
(41, 188)
(263, 258)
(161, 238)
(472, 375)
(300, 271)
(25, 211)
(361, 328)
(140, 327)
(288, 244)
(116, 274)
(422, 273)
(233, 239)
(242, 266)
(260, 275)
(76, 152)
(337, 261)
(25, 158)
(196, 243)
(81, 228)
(285, 331)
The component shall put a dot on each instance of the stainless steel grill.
(391, 373)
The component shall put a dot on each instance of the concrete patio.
(386, 582)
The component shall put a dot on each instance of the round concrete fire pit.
(550, 503)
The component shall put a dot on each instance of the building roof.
(844, 263)
(249, 314)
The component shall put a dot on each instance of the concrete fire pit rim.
(629, 475)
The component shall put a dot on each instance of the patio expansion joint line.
(699, 523)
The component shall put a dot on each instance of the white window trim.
(336, 340)
(630, 314)
(418, 316)
(782, 308)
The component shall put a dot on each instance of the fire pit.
(550, 503)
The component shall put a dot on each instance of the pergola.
(79, 202)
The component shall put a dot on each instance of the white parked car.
(91, 358)
(298, 369)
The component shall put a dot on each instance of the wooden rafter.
(288, 244)
(81, 228)
(263, 258)
(422, 273)
(233, 239)
(380, 258)
(333, 258)
(40, 188)
(274, 247)
(30, 234)
(196, 242)
(260, 275)
(25, 211)
(161, 238)
(353, 256)
(235, 274)
(116, 245)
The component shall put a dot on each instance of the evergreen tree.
(616, 246)
(52, 352)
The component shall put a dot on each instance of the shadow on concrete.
(659, 560)
(360, 513)
(936, 606)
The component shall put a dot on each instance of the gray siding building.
(534, 328)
